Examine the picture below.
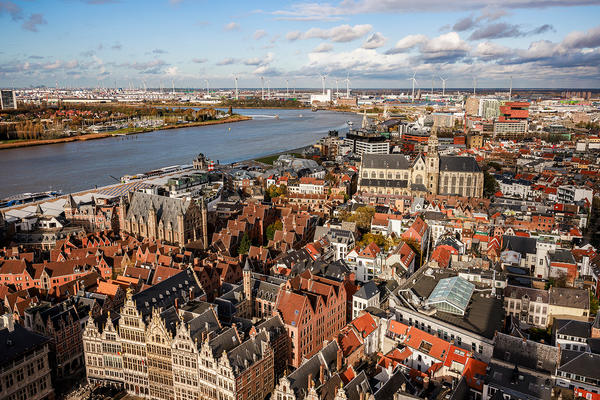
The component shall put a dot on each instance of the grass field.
(269, 160)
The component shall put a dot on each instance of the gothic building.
(431, 173)
(97, 214)
(168, 345)
(164, 218)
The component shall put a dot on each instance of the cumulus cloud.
(341, 33)
(504, 30)
(259, 34)
(310, 10)
(407, 43)
(374, 41)
(150, 67)
(445, 48)
(464, 24)
(159, 51)
(199, 60)
(581, 40)
(12, 9)
(490, 51)
(227, 61)
(323, 48)
(33, 22)
(232, 26)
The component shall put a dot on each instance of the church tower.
(432, 164)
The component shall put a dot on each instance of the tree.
(387, 242)
(274, 227)
(490, 185)
(244, 244)
(276, 191)
(362, 216)
(593, 304)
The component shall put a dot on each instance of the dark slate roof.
(517, 383)
(367, 291)
(163, 294)
(335, 270)
(299, 378)
(569, 297)
(226, 341)
(526, 353)
(385, 161)
(518, 292)
(264, 290)
(562, 256)
(458, 164)
(582, 364)
(248, 352)
(572, 328)
(358, 385)
(394, 385)
(294, 257)
(15, 343)
(523, 245)
(167, 208)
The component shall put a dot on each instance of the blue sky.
(376, 43)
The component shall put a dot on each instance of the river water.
(82, 165)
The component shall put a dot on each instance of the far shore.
(93, 136)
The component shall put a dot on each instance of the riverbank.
(94, 136)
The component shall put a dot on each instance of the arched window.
(419, 180)
(373, 175)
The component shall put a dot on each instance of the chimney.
(309, 383)
(322, 373)
(340, 359)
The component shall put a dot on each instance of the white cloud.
(341, 33)
(490, 50)
(232, 26)
(374, 41)
(323, 48)
(407, 43)
(259, 34)
(172, 71)
(580, 40)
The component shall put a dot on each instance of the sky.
(371, 43)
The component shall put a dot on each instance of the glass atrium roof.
(454, 292)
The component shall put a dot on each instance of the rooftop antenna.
(510, 90)
(262, 90)
(414, 81)
(236, 88)
(323, 81)
(348, 85)
(443, 85)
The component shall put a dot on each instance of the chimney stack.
(322, 373)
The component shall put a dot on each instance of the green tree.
(593, 304)
(362, 216)
(490, 185)
(274, 227)
(244, 244)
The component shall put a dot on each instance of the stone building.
(97, 214)
(24, 366)
(168, 219)
(432, 173)
(169, 345)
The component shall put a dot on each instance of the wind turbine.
(287, 88)
(323, 81)
(474, 84)
(262, 87)
(337, 90)
(236, 87)
(510, 90)
(414, 81)
(207, 91)
(173, 87)
(443, 85)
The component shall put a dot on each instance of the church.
(426, 174)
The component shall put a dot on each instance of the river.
(81, 165)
